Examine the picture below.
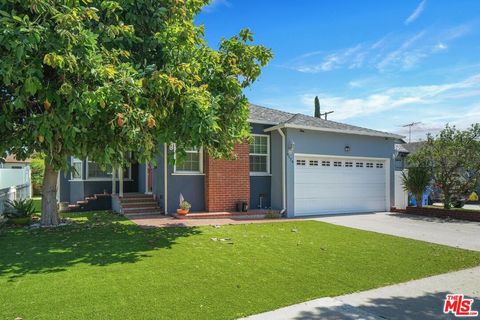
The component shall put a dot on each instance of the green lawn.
(108, 268)
(37, 202)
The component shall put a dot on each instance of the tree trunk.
(419, 198)
(447, 201)
(49, 197)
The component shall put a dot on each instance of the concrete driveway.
(455, 233)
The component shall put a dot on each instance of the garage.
(331, 185)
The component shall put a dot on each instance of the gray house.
(294, 163)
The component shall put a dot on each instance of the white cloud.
(434, 122)
(416, 13)
(214, 4)
(393, 98)
(389, 53)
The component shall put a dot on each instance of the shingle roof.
(401, 148)
(277, 117)
(268, 115)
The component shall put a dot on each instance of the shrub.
(38, 167)
(19, 209)
(272, 214)
(415, 181)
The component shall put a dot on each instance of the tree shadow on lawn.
(425, 307)
(98, 239)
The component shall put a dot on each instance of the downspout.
(284, 198)
(165, 175)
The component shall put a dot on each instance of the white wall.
(401, 196)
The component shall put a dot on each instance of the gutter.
(165, 174)
(284, 198)
(356, 132)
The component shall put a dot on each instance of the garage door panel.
(339, 189)
(353, 176)
(315, 207)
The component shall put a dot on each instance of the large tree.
(104, 78)
(453, 157)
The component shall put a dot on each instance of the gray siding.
(190, 186)
(260, 187)
(141, 177)
(325, 143)
(276, 170)
(158, 180)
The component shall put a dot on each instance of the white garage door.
(325, 185)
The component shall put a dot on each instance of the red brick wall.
(227, 181)
(470, 215)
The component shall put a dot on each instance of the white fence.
(401, 196)
(15, 184)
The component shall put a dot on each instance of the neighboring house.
(294, 163)
(403, 150)
(401, 154)
(13, 163)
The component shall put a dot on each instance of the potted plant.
(184, 206)
(19, 212)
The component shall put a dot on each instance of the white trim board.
(259, 173)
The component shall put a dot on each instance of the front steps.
(137, 204)
(93, 203)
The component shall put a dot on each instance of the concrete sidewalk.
(418, 299)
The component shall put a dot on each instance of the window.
(76, 169)
(369, 165)
(193, 162)
(325, 163)
(301, 162)
(95, 172)
(313, 163)
(348, 164)
(337, 163)
(379, 165)
(260, 154)
(359, 164)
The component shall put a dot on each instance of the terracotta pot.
(182, 211)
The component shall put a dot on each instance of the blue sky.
(378, 64)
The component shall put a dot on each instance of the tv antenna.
(325, 114)
(410, 125)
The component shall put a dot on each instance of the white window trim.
(81, 169)
(189, 173)
(106, 179)
(258, 173)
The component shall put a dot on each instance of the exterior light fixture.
(347, 148)
(291, 149)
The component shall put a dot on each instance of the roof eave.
(262, 122)
(355, 132)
